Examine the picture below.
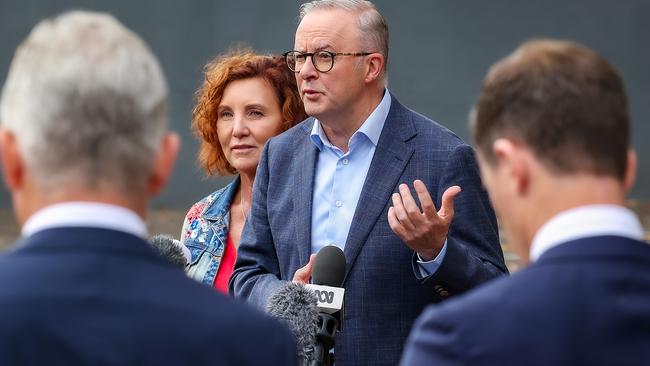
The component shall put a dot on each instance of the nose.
(308, 71)
(240, 126)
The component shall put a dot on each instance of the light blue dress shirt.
(339, 179)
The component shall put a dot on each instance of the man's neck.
(340, 127)
(567, 192)
(40, 201)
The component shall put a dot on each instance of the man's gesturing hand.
(424, 231)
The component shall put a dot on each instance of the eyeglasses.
(323, 61)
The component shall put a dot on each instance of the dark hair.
(563, 101)
(239, 65)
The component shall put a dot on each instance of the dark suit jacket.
(383, 295)
(87, 296)
(585, 302)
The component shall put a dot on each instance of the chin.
(312, 108)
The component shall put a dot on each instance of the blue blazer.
(584, 302)
(88, 296)
(383, 295)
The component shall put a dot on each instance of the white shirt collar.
(585, 221)
(85, 214)
(371, 127)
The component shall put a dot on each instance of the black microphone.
(171, 249)
(295, 306)
(327, 277)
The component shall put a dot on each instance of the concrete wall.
(440, 50)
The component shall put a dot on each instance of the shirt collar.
(85, 214)
(371, 127)
(585, 221)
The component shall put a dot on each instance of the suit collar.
(391, 157)
(220, 206)
(85, 214)
(596, 248)
(586, 221)
(87, 239)
(306, 168)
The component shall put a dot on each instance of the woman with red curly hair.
(245, 100)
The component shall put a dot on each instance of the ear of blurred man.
(630, 171)
(13, 167)
(163, 163)
(516, 159)
(16, 176)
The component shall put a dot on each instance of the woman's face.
(249, 114)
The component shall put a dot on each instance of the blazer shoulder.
(298, 131)
(427, 130)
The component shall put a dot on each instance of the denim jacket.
(205, 230)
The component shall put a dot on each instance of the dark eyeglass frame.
(311, 54)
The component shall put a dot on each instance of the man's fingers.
(303, 274)
(394, 223)
(447, 210)
(410, 205)
(428, 207)
(400, 212)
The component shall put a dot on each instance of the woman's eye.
(225, 115)
(256, 114)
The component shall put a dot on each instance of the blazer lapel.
(306, 168)
(391, 156)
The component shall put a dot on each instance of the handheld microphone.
(171, 249)
(295, 306)
(327, 277)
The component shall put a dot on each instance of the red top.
(226, 267)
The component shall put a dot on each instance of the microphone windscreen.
(329, 267)
(171, 249)
(295, 306)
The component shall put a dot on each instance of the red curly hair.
(239, 65)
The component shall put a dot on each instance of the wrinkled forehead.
(329, 29)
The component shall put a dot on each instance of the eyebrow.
(247, 106)
(255, 105)
(323, 47)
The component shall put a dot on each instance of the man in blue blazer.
(553, 136)
(83, 145)
(343, 178)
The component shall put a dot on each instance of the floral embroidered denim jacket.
(205, 231)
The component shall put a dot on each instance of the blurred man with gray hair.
(84, 146)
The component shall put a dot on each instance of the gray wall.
(440, 50)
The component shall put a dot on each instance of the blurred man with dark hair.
(84, 146)
(553, 136)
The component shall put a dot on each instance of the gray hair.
(87, 102)
(371, 23)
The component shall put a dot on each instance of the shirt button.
(338, 203)
(345, 161)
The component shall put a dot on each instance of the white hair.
(87, 102)
(372, 25)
